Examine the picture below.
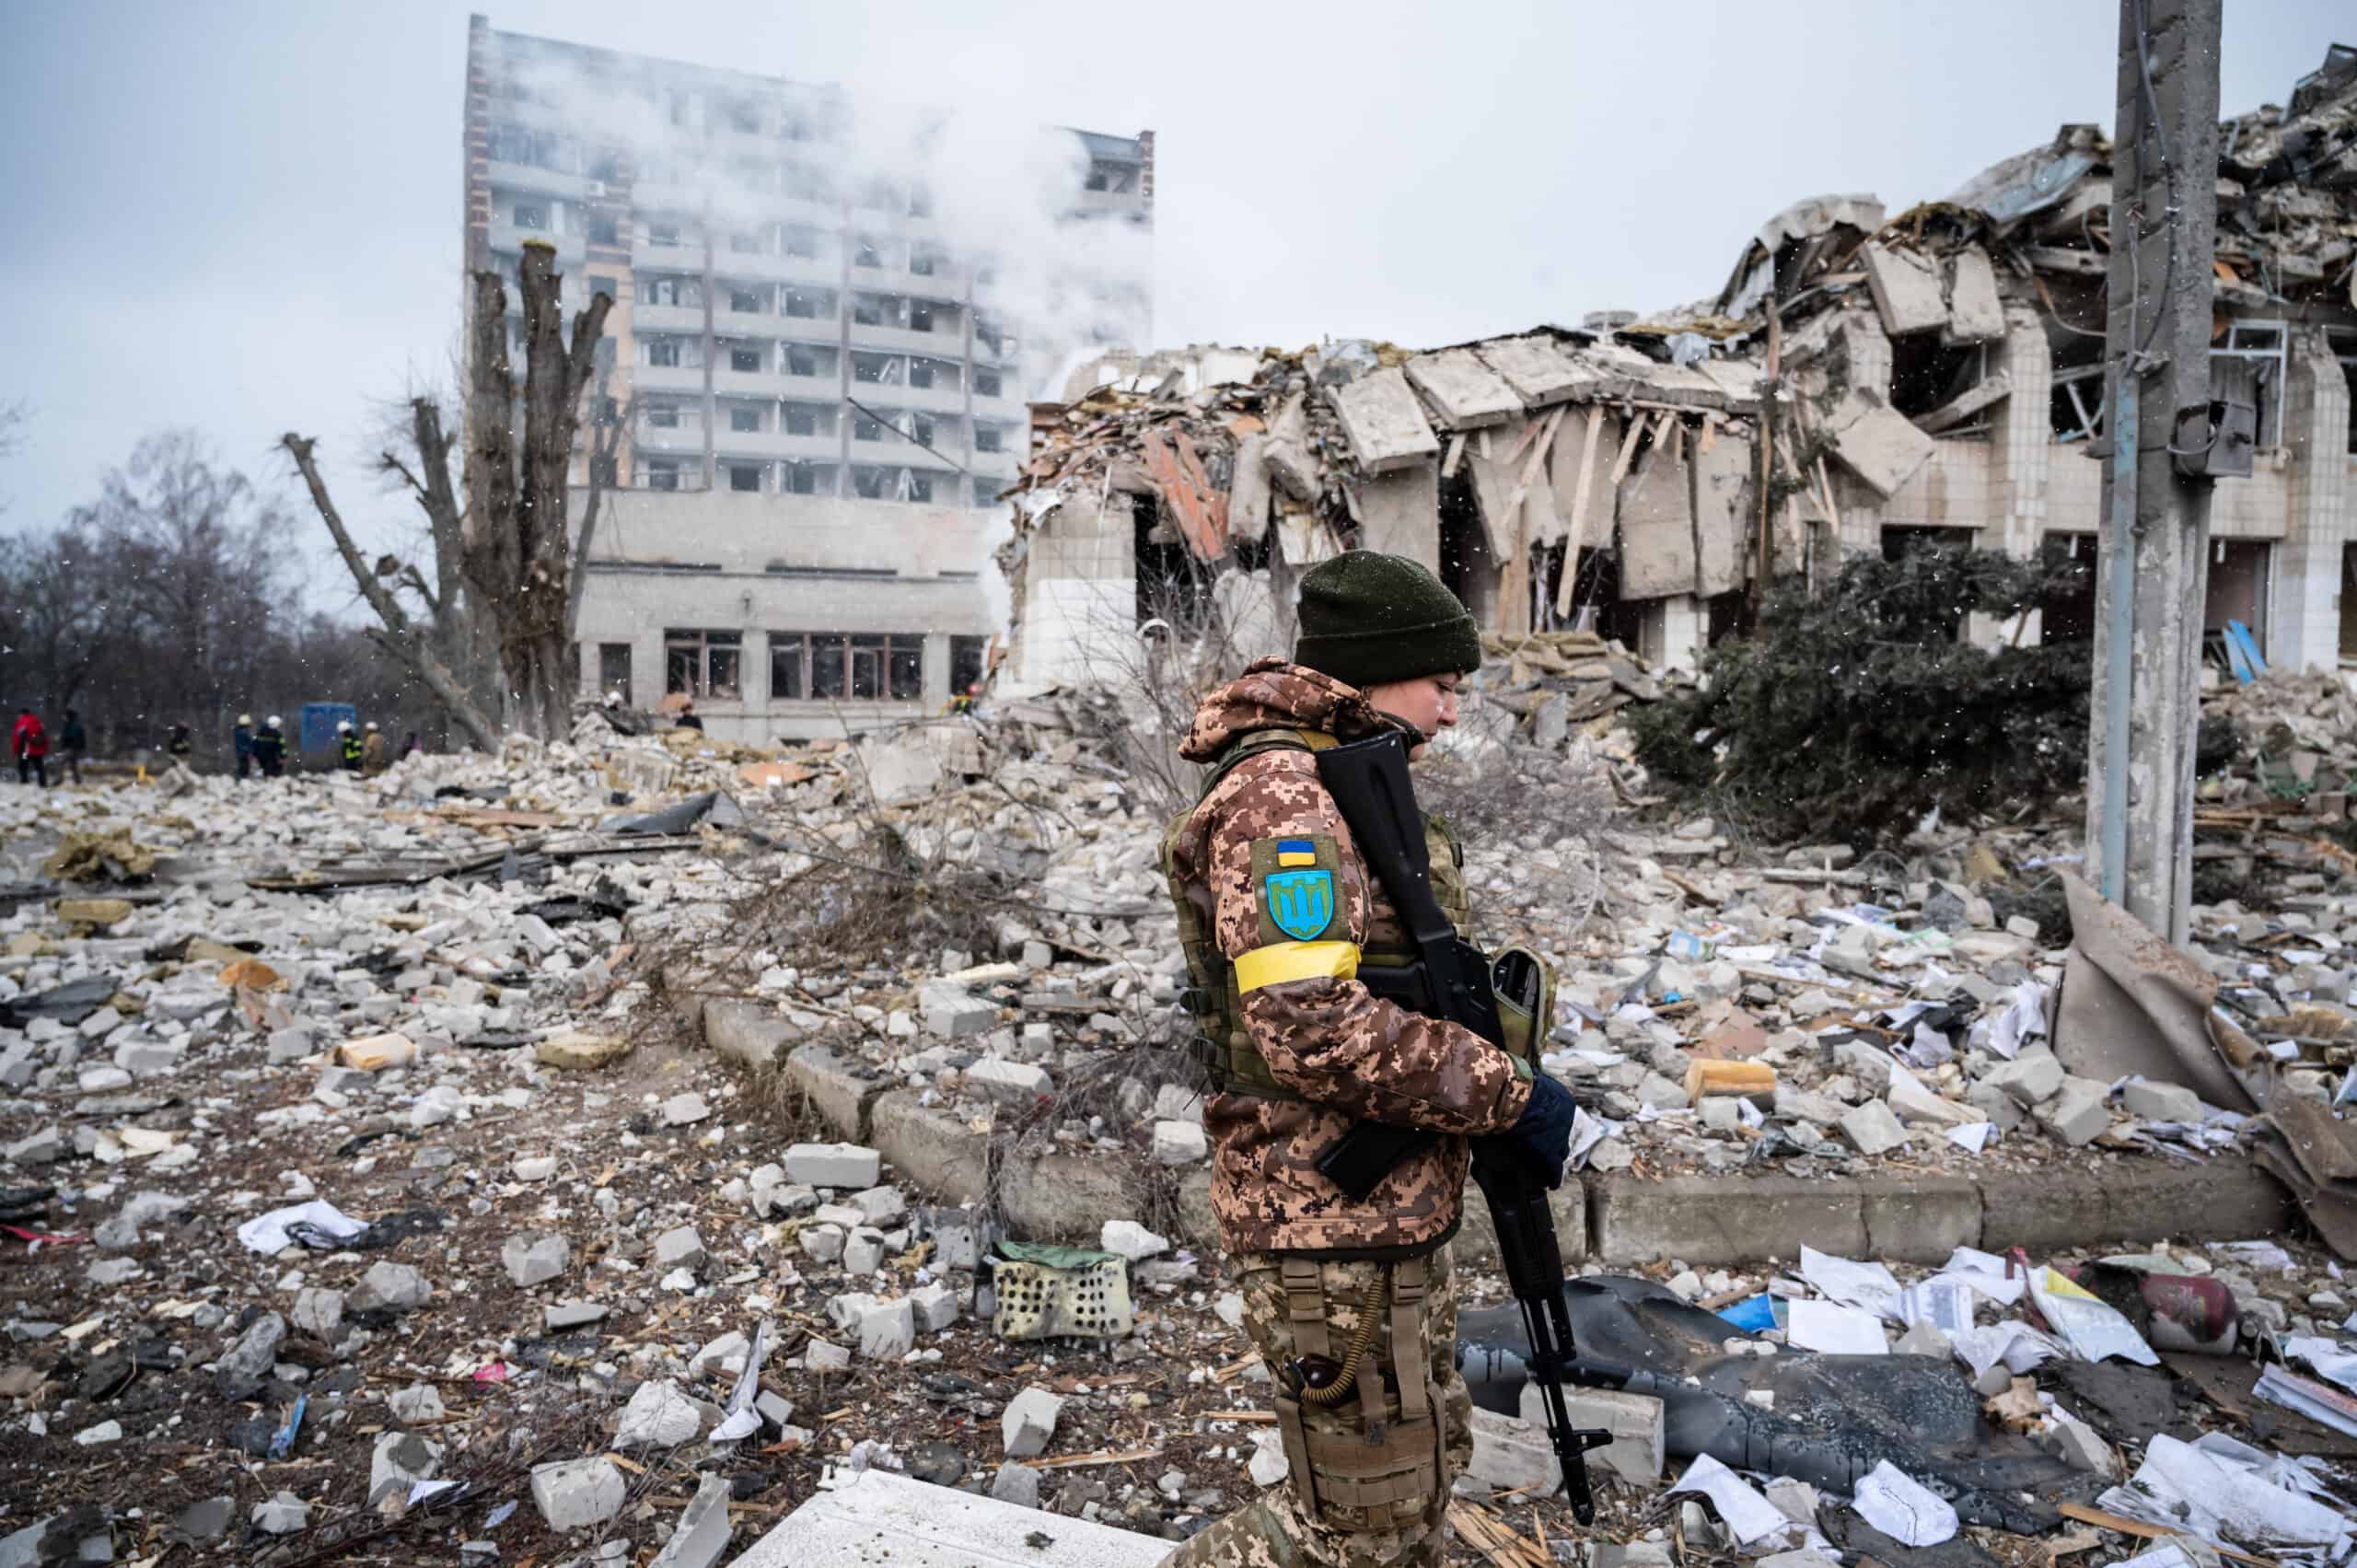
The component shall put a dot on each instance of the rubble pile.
(363, 1190)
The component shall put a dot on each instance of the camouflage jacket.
(1353, 1056)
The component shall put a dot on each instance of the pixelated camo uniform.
(1370, 1475)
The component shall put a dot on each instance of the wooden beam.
(1579, 511)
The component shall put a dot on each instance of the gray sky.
(244, 217)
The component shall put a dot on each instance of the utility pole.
(2155, 555)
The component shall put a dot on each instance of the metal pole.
(2119, 664)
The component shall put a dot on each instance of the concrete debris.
(1030, 1421)
(658, 1416)
(575, 1494)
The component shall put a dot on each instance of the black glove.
(1544, 1131)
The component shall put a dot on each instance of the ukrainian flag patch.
(1296, 852)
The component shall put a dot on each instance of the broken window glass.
(920, 485)
(803, 360)
(614, 670)
(870, 367)
(808, 479)
(744, 301)
(924, 263)
(905, 670)
(663, 234)
(966, 655)
(921, 428)
(745, 477)
(920, 315)
(789, 666)
(871, 483)
(744, 359)
(801, 419)
(531, 214)
(802, 244)
(867, 253)
(986, 383)
(989, 438)
(863, 428)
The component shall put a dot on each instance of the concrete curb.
(1705, 1221)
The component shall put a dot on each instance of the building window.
(744, 417)
(744, 117)
(924, 263)
(662, 234)
(663, 416)
(662, 473)
(966, 656)
(801, 419)
(802, 478)
(989, 438)
(1104, 175)
(920, 485)
(802, 244)
(920, 372)
(920, 315)
(921, 428)
(605, 228)
(746, 302)
(745, 359)
(875, 310)
(610, 287)
(703, 664)
(745, 244)
(861, 665)
(804, 361)
(531, 214)
(863, 428)
(663, 352)
(810, 304)
(614, 670)
(871, 483)
(986, 383)
(867, 254)
(745, 478)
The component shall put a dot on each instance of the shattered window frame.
(988, 383)
(614, 670)
(801, 478)
(744, 478)
(703, 664)
(533, 216)
(989, 438)
(746, 359)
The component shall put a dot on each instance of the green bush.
(1849, 713)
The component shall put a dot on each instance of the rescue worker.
(75, 742)
(1277, 913)
(270, 749)
(688, 719)
(347, 747)
(373, 751)
(242, 738)
(29, 741)
(178, 744)
(964, 701)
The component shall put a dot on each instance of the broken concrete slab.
(1464, 394)
(879, 1517)
(574, 1494)
(1975, 313)
(1635, 1421)
(701, 1537)
(1383, 421)
(1537, 368)
(1030, 1421)
(1906, 288)
(1876, 442)
(1399, 513)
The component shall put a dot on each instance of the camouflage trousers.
(1351, 1503)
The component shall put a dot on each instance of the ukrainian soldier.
(1352, 1304)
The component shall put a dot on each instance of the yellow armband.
(1297, 960)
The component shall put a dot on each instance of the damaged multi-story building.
(815, 387)
(1863, 383)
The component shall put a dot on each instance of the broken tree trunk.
(397, 635)
(516, 545)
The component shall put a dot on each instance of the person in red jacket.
(31, 742)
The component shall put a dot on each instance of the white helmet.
(372, 723)
(343, 727)
(273, 721)
(614, 699)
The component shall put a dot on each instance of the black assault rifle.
(1450, 978)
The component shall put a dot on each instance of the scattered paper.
(1928, 1049)
(1946, 1304)
(268, 1232)
(1974, 1137)
(2325, 1357)
(2320, 1402)
(2023, 1021)
(2093, 1329)
(2020, 1347)
(2203, 1492)
(1903, 1509)
(1747, 1514)
(1985, 1272)
(419, 1491)
(1870, 1286)
(1587, 1131)
(2260, 1255)
(1835, 1329)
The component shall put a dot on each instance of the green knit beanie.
(1368, 618)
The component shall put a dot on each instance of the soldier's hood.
(1273, 695)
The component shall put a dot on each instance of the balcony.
(815, 271)
(666, 318)
(747, 324)
(668, 258)
(776, 444)
(506, 239)
(684, 440)
(900, 340)
(932, 400)
(680, 379)
(527, 180)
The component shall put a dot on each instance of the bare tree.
(495, 642)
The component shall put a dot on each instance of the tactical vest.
(1221, 1043)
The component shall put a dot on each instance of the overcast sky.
(245, 217)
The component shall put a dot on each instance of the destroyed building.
(1864, 382)
(815, 373)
